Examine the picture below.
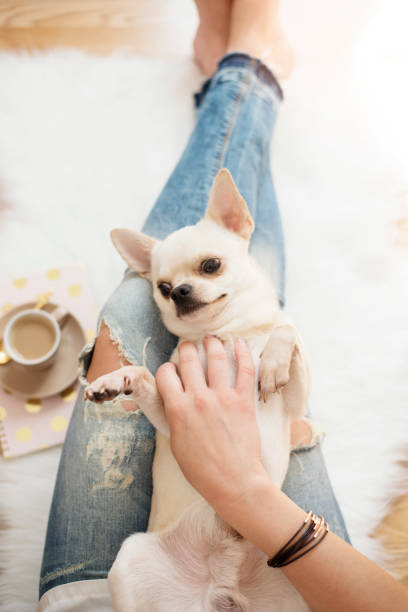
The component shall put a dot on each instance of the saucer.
(59, 375)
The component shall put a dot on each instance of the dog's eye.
(209, 266)
(165, 289)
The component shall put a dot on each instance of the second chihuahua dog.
(205, 282)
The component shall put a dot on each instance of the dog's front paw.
(273, 375)
(276, 360)
(107, 387)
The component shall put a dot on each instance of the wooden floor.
(146, 27)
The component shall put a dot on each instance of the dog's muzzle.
(182, 293)
(183, 297)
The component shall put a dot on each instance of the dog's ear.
(135, 249)
(227, 207)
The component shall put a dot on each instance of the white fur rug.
(86, 144)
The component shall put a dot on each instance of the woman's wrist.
(238, 498)
(262, 513)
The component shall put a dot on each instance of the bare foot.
(211, 38)
(255, 29)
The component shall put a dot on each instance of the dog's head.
(197, 271)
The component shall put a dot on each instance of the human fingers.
(217, 364)
(168, 382)
(245, 381)
(190, 368)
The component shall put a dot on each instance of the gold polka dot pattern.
(53, 274)
(20, 283)
(33, 405)
(24, 434)
(69, 394)
(75, 290)
(58, 423)
(7, 306)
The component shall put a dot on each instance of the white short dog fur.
(203, 282)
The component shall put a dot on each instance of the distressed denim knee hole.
(84, 361)
(85, 356)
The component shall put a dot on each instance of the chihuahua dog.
(205, 282)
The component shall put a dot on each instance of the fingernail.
(184, 343)
(241, 342)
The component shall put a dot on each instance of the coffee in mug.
(32, 337)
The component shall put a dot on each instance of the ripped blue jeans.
(104, 483)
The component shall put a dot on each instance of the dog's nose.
(181, 293)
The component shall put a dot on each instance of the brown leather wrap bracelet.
(312, 531)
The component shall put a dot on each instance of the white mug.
(49, 334)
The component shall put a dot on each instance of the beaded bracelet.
(313, 528)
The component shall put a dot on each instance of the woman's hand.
(213, 430)
(215, 439)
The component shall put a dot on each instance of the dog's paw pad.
(102, 395)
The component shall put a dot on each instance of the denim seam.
(238, 99)
(61, 571)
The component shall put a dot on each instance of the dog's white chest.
(172, 493)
